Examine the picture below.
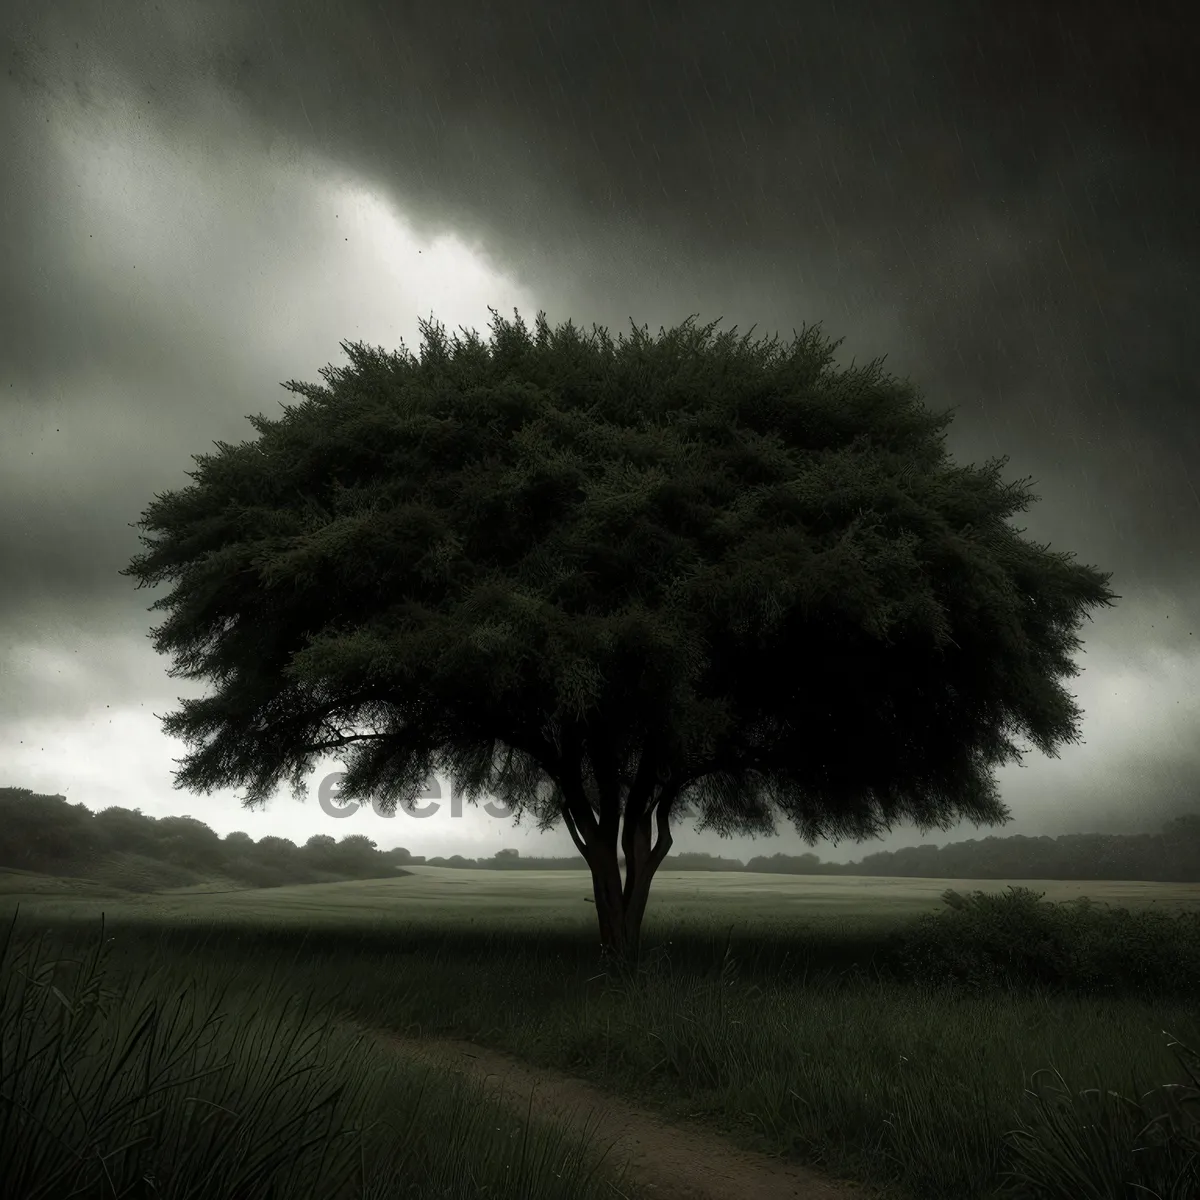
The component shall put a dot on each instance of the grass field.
(449, 896)
(850, 1023)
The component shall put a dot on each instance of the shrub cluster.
(1012, 939)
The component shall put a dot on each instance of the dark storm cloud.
(1008, 191)
(1002, 198)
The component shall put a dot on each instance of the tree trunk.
(594, 826)
(610, 906)
(620, 907)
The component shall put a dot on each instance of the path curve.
(671, 1161)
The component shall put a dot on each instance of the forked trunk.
(621, 905)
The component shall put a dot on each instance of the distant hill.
(45, 837)
(124, 849)
(35, 883)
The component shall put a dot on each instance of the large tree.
(605, 582)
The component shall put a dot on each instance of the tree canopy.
(601, 581)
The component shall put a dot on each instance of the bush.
(1013, 940)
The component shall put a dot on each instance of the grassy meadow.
(940, 1039)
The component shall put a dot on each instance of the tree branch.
(344, 740)
(606, 771)
(662, 821)
(571, 783)
(569, 821)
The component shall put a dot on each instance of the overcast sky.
(201, 200)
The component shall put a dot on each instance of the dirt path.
(669, 1160)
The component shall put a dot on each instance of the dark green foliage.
(124, 848)
(1013, 939)
(38, 829)
(607, 581)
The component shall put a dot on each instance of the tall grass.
(1000, 1048)
(176, 1082)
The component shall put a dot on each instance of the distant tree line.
(1172, 856)
(512, 860)
(126, 847)
(45, 833)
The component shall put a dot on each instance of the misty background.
(201, 200)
